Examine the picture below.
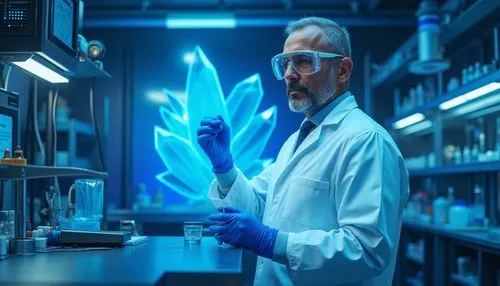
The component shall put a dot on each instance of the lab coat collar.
(342, 108)
(336, 115)
(338, 109)
(323, 113)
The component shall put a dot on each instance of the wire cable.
(7, 77)
(56, 180)
(35, 119)
(95, 126)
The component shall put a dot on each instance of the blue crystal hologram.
(175, 104)
(188, 171)
(249, 144)
(174, 123)
(243, 101)
(171, 181)
(204, 96)
(181, 159)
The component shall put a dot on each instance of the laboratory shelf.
(88, 69)
(493, 166)
(433, 105)
(73, 125)
(475, 238)
(19, 172)
(464, 280)
(457, 28)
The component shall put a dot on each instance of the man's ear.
(346, 66)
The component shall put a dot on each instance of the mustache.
(293, 86)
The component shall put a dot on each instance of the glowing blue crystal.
(250, 142)
(244, 100)
(174, 123)
(175, 104)
(188, 170)
(182, 160)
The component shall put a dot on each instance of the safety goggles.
(303, 62)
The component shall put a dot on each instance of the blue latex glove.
(243, 229)
(214, 139)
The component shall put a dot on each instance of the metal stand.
(21, 244)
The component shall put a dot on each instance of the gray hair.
(337, 37)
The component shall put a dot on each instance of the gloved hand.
(214, 139)
(243, 229)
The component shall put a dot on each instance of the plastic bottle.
(459, 214)
(465, 79)
(477, 209)
(440, 207)
(466, 155)
(474, 153)
(458, 156)
(477, 70)
(451, 196)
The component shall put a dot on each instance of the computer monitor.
(9, 124)
(40, 28)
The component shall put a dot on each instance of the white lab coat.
(340, 197)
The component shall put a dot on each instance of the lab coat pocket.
(307, 202)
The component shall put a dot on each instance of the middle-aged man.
(328, 211)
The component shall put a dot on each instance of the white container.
(440, 208)
(459, 215)
(40, 243)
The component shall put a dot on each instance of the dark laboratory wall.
(157, 62)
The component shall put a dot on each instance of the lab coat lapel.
(333, 118)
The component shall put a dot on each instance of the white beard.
(308, 104)
(313, 101)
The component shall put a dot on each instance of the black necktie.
(305, 129)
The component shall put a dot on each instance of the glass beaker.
(193, 231)
(89, 204)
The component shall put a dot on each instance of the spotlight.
(96, 50)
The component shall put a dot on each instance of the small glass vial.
(193, 231)
(6, 157)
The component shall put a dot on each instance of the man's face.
(308, 93)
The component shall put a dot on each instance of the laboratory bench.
(158, 222)
(158, 261)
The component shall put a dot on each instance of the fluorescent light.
(417, 127)
(200, 21)
(490, 87)
(38, 69)
(407, 121)
(473, 94)
(188, 58)
(453, 102)
(480, 107)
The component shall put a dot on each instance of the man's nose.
(291, 74)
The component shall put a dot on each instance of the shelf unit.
(442, 245)
(492, 167)
(406, 53)
(88, 69)
(432, 107)
(74, 130)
